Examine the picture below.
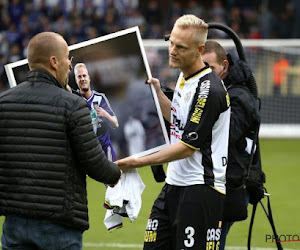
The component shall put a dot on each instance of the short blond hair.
(79, 65)
(201, 27)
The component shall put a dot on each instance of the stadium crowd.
(81, 20)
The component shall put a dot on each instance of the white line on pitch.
(115, 245)
(140, 246)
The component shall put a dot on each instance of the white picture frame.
(118, 65)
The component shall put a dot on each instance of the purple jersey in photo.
(103, 127)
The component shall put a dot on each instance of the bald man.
(47, 148)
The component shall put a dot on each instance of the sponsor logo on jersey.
(176, 103)
(178, 123)
(187, 97)
(213, 236)
(151, 230)
(178, 136)
(192, 136)
(201, 101)
(176, 127)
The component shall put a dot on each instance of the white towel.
(123, 200)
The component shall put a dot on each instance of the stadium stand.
(80, 20)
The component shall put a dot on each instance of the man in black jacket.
(47, 147)
(244, 119)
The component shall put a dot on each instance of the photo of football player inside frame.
(118, 68)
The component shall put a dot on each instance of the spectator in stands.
(285, 22)
(265, 21)
(5, 22)
(41, 15)
(4, 44)
(131, 4)
(97, 21)
(61, 24)
(236, 20)
(3, 77)
(75, 12)
(32, 13)
(56, 12)
(88, 11)
(296, 6)
(15, 53)
(2, 8)
(12, 34)
(15, 10)
(44, 8)
(153, 13)
(133, 18)
(254, 33)
(194, 8)
(116, 7)
(72, 40)
(25, 35)
(218, 10)
(154, 31)
(44, 24)
(111, 23)
(175, 10)
(79, 29)
(92, 33)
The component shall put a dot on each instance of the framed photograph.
(118, 67)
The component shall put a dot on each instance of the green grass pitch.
(280, 159)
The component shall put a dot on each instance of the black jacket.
(47, 147)
(244, 120)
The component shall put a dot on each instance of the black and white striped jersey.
(200, 118)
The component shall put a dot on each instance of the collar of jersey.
(183, 80)
(92, 95)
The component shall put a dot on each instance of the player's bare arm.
(112, 119)
(174, 152)
(164, 102)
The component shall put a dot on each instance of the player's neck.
(193, 68)
(86, 94)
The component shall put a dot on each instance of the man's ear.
(201, 49)
(226, 66)
(53, 62)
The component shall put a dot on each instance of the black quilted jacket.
(47, 147)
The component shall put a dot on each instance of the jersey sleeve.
(209, 102)
(106, 106)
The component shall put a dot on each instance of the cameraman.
(243, 121)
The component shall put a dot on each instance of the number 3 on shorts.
(189, 231)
